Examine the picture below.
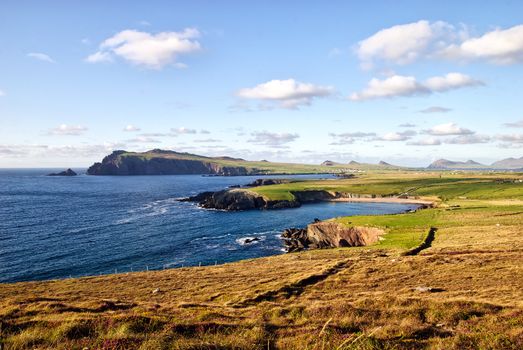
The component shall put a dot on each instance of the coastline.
(397, 200)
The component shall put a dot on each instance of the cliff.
(326, 234)
(158, 162)
(238, 199)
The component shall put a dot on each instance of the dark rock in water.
(266, 182)
(68, 172)
(250, 240)
(234, 186)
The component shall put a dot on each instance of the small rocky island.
(68, 172)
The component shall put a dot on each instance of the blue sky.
(297, 81)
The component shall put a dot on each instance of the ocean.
(60, 227)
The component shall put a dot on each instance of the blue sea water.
(59, 227)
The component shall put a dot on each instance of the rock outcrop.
(68, 172)
(238, 199)
(328, 234)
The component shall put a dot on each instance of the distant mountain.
(368, 166)
(508, 163)
(449, 164)
(505, 164)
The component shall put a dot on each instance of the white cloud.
(406, 43)
(143, 139)
(183, 130)
(407, 125)
(355, 134)
(397, 136)
(70, 130)
(431, 141)
(348, 138)
(153, 51)
(448, 129)
(271, 139)
(468, 139)
(513, 138)
(403, 44)
(394, 86)
(154, 134)
(286, 93)
(436, 109)
(518, 124)
(498, 46)
(130, 128)
(99, 57)
(451, 81)
(398, 85)
(41, 57)
(210, 140)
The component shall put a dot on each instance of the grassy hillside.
(264, 166)
(465, 291)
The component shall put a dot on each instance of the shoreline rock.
(329, 234)
(237, 200)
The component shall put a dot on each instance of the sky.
(407, 82)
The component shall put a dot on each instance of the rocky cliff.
(238, 199)
(158, 162)
(327, 234)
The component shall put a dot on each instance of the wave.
(205, 238)
(154, 208)
(247, 240)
